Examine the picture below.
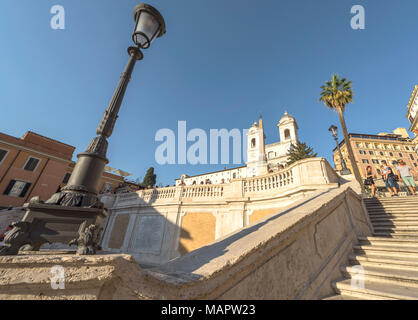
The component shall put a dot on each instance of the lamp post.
(83, 185)
(344, 170)
(76, 210)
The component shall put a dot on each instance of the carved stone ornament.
(87, 241)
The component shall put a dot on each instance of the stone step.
(385, 217)
(343, 297)
(393, 251)
(398, 235)
(394, 210)
(394, 229)
(389, 200)
(376, 290)
(392, 205)
(412, 210)
(384, 261)
(382, 274)
(392, 200)
(395, 223)
(388, 241)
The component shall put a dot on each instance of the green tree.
(336, 94)
(150, 178)
(299, 151)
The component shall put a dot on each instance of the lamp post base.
(45, 223)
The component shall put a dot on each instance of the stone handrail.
(314, 172)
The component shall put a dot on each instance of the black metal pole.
(344, 169)
(82, 187)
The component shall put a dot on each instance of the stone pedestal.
(44, 223)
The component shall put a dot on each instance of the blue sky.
(220, 65)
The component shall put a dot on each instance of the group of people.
(391, 178)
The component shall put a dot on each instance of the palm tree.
(336, 94)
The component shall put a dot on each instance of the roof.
(388, 137)
(42, 144)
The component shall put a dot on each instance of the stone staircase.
(385, 265)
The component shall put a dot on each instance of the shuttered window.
(31, 164)
(17, 188)
(66, 178)
(3, 154)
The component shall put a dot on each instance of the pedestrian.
(404, 172)
(390, 183)
(369, 180)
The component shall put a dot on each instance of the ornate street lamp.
(76, 211)
(344, 170)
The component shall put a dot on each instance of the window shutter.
(66, 178)
(2, 154)
(25, 189)
(9, 187)
(31, 164)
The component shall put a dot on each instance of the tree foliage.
(299, 151)
(150, 178)
(336, 93)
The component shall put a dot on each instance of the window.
(287, 134)
(31, 164)
(391, 154)
(66, 178)
(384, 162)
(411, 156)
(381, 153)
(362, 152)
(17, 188)
(400, 154)
(107, 187)
(394, 162)
(253, 143)
(406, 148)
(3, 154)
(365, 161)
(371, 152)
(375, 161)
(415, 165)
(234, 176)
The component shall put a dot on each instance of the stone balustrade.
(184, 218)
(314, 171)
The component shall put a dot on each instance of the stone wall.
(294, 253)
(184, 218)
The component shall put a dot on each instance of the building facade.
(261, 158)
(35, 165)
(375, 150)
(412, 115)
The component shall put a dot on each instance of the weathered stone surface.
(196, 215)
(291, 254)
(149, 233)
(197, 230)
(119, 231)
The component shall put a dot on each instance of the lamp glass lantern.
(149, 24)
(334, 131)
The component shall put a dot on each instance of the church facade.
(261, 158)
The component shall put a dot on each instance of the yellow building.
(412, 115)
(375, 150)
